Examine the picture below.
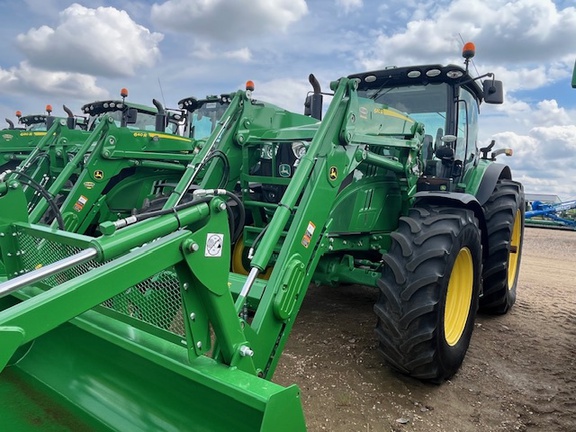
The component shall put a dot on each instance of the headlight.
(299, 149)
(267, 151)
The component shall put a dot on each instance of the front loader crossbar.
(49, 270)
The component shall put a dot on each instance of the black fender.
(457, 199)
(493, 173)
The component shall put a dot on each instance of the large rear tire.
(429, 292)
(505, 228)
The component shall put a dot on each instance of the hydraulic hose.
(42, 191)
(200, 196)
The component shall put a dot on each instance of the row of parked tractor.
(47, 153)
(154, 260)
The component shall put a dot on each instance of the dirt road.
(519, 373)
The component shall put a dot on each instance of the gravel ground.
(519, 373)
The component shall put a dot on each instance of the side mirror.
(49, 122)
(313, 106)
(493, 91)
(130, 116)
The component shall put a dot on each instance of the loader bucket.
(80, 377)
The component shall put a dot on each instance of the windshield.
(205, 118)
(424, 103)
(36, 127)
(144, 121)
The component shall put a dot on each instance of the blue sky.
(59, 51)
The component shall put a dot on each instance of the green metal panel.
(120, 390)
(474, 175)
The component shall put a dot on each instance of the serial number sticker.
(308, 234)
(214, 244)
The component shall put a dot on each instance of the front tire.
(429, 292)
(505, 227)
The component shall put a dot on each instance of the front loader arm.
(307, 200)
(346, 138)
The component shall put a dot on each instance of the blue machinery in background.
(548, 215)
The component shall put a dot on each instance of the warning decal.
(79, 205)
(308, 234)
(214, 244)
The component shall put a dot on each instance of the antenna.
(161, 91)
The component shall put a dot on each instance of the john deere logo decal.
(284, 170)
(7, 137)
(333, 174)
(98, 174)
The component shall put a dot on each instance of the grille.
(155, 301)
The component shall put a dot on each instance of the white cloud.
(102, 41)
(205, 51)
(287, 93)
(349, 5)
(506, 33)
(543, 158)
(228, 20)
(27, 80)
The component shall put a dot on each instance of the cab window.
(467, 125)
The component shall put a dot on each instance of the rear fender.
(483, 179)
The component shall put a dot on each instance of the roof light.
(48, 108)
(124, 92)
(370, 78)
(414, 74)
(250, 85)
(433, 73)
(18, 114)
(454, 74)
(469, 50)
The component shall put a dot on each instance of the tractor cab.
(136, 116)
(446, 100)
(124, 114)
(203, 114)
(35, 122)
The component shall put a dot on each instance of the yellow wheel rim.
(514, 255)
(458, 297)
(239, 260)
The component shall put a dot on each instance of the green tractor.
(181, 312)
(129, 162)
(17, 141)
(53, 165)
